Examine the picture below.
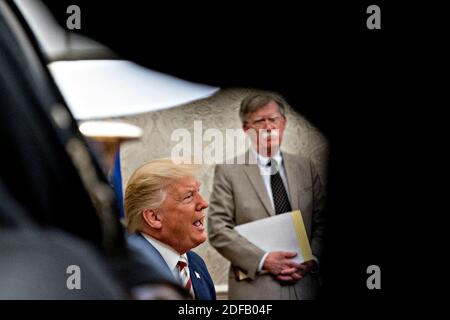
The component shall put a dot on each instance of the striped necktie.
(184, 275)
(279, 194)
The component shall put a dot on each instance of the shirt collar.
(169, 255)
(262, 160)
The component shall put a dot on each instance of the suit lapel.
(292, 179)
(253, 174)
(195, 282)
(198, 283)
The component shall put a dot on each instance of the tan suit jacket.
(238, 197)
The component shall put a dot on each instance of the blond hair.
(146, 188)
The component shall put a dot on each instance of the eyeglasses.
(260, 122)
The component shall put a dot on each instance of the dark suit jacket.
(201, 279)
(47, 169)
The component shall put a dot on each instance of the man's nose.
(202, 203)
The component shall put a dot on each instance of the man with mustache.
(165, 216)
(272, 182)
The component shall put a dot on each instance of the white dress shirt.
(169, 255)
(266, 172)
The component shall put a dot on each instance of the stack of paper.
(283, 232)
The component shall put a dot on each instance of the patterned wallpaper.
(219, 111)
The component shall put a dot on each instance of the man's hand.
(280, 264)
(302, 270)
(306, 267)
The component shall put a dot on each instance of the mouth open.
(199, 224)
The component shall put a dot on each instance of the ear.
(152, 218)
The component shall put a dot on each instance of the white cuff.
(261, 263)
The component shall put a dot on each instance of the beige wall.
(221, 112)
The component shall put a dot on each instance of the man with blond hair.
(165, 217)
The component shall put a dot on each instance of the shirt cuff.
(261, 263)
